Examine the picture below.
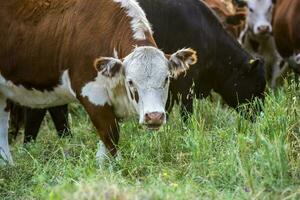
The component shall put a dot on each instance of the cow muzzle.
(154, 120)
(264, 30)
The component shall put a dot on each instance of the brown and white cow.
(232, 18)
(257, 38)
(286, 28)
(100, 53)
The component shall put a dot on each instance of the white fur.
(116, 55)
(96, 92)
(102, 153)
(261, 15)
(60, 95)
(139, 22)
(5, 155)
(109, 90)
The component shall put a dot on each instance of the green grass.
(217, 155)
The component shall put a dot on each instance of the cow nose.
(154, 118)
(264, 29)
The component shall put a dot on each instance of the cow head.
(260, 17)
(146, 75)
(244, 83)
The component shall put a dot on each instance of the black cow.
(223, 65)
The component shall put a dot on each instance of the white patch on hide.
(97, 91)
(139, 22)
(60, 95)
(116, 54)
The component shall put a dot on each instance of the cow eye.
(130, 83)
(251, 10)
(166, 80)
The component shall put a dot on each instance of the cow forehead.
(259, 5)
(146, 63)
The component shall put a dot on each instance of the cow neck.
(231, 59)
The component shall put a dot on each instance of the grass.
(217, 155)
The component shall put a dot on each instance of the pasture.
(216, 155)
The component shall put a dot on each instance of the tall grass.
(216, 155)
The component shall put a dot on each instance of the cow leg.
(59, 115)
(106, 124)
(276, 74)
(33, 120)
(5, 155)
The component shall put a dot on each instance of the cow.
(257, 38)
(227, 68)
(232, 20)
(286, 20)
(100, 53)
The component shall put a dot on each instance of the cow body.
(57, 52)
(286, 22)
(257, 38)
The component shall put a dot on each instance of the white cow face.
(146, 73)
(260, 16)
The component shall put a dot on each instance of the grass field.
(217, 155)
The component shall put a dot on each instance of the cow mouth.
(154, 127)
(264, 34)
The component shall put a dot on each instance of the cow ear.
(109, 67)
(181, 60)
(236, 19)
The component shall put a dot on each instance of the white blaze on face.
(260, 16)
(147, 80)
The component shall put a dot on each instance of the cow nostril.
(264, 29)
(154, 117)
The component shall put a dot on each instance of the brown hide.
(232, 17)
(286, 27)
